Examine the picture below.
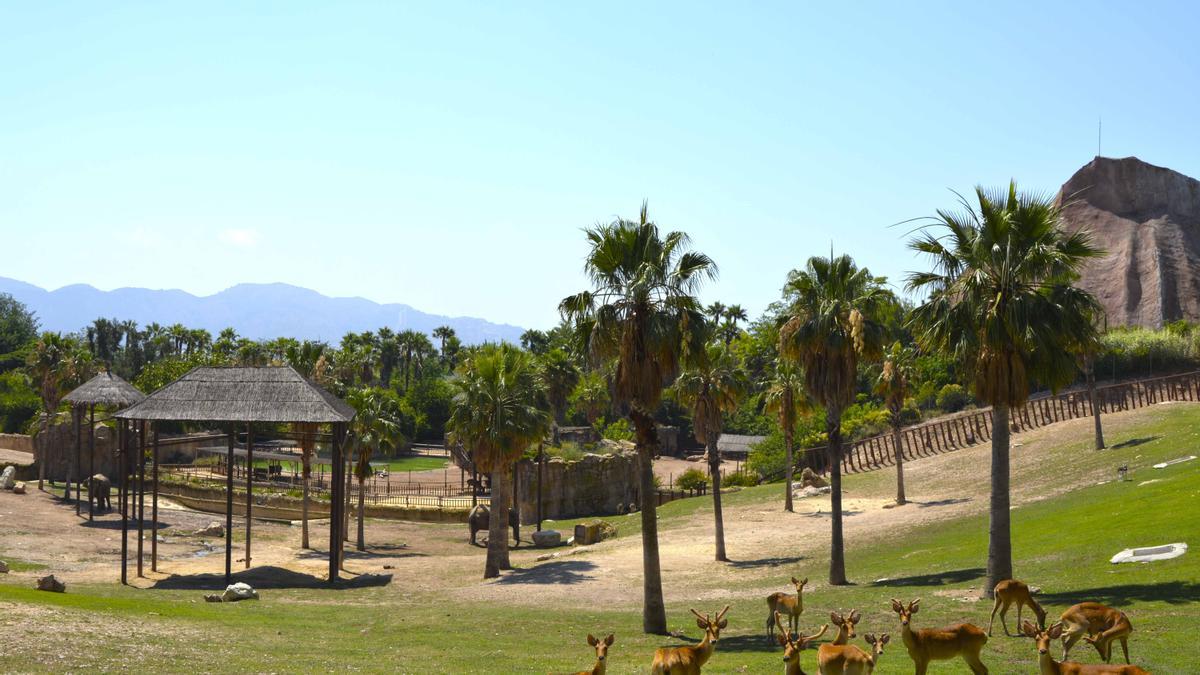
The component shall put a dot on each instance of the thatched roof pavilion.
(245, 395)
(107, 390)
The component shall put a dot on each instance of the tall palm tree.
(591, 396)
(559, 375)
(643, 312)
(497, 414)
(892, 385)
(55, 365)
(733, 315)
(442, 334)
(715, 312)
(414, 345)
(389, 355)
(785, 399)
(1001, 299)
(376, 426)
(830, 325)
(711, 389)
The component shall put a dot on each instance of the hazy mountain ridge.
(257, 311)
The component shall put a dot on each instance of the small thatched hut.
(106, 390)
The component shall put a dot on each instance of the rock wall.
(56, 449)
(18, 442)
(596, 485)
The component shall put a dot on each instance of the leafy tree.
(559, 375)
(711, 389)
(389, 355)
(591, 397)
(18, 328)
(642, 312)
(497, 414)
(1001, 299)
(56, 364)
(535, 341)
(892, 385)
(829, 326)
(18, 402)
(785, 399)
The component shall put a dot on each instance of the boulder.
(51, 584)
(810, 491)
(233, 593)
(547, 538)
(593, 532)
(810, 479)
(7, 479)
(19, 488)
(213, 529)
(3, 567)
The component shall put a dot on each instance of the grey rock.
(7, 479)
(547, 538)
(239, 591)
(3, 567)
(52, 584)
(213, 529)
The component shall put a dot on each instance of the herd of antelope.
(1095, 623)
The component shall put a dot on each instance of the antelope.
(689, 660)
(845, 626)
(927, 644)
(793, 648)
(1007, 593)
(1049, 666)
(784, 603)
(601, 647)
(850, 660)
(1105, 623)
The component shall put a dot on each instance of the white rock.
(8, 478)
(239, 591)
(547, 538)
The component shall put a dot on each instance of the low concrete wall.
(18, 442)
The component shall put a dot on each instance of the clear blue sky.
(447, 155)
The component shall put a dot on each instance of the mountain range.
(256, 311)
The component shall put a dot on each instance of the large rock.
(592, 532)
(234, 593)
(213, 529)
(7, 478)
(3, 567)
(1147, 219)
(51, 584)
(547, 538)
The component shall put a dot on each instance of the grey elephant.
(479, 518)
(99, 491)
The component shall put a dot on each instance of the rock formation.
(1147, 218)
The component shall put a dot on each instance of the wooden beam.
(335, 503)
(154, 508)
(91, 459)
(124, 464)
(77, 465)
(249, 485)
(229, 509)
(141, 492)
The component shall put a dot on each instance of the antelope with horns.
(789, 606)
(689, 660)
(1008, 593)
(793, 648)
(601, 647)
(845, 626)
(850, 660)
(928, 644)
(1048, 666)
(1102, 625)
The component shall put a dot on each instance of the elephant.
(99, 491)
(481, 514)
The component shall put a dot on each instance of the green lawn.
(414, 463)
(1061, 544)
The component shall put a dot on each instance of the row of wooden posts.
(970, 428)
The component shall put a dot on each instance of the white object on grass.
(1150, 553)
(1163, 465)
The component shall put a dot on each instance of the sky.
(449, 155)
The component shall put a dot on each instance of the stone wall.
(18, 442)
(596, 485)
(56, 448)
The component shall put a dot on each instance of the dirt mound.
(1148, 220)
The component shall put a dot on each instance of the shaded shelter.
(236, 396)
(106, 390)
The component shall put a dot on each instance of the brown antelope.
(845, 626)
(1094, 619)
(689, 660)
(1049, 666)
(784, 603)
(928, 644)
(793, 648)
(1009, 592)
(850, 660)
(601, 647)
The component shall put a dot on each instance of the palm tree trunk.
(999, 535)
(837, 553)
(714, 468)
(497, 553)
(787, 469)
(1094, 400)
(897, 440)
(654, 612)
(362, 540)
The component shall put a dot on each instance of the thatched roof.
(105, 389)
(737, 442)
(236, 394)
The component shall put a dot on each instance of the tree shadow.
(269, 577)
(942, 502)
(352, 553)
(935, 578)
(765, 562)
(826, 514)
(1133, 442)
(747, 643)
(556, 572)
(115, 524)
(1170, 592)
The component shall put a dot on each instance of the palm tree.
(535, 341)
(643, 312)
(591, 396)
(1000, 297)
(830, 324)
(497, 414)
(389, 355)
(376, 425)
(785, 399)
(711, 389)
(715, 312)
(414, 346)
(733, 315)
(442, 334)
(559, 375)
(55, 364)
(892, 385)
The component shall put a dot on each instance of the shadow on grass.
(115, 524)
(765, 562)
(1133, 442)
(942, 502)
(269, 577)
(747, 643)
(557, 572)
(935, 578)
(827, 514)
(1170, 592)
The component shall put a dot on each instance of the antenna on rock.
(1099, 133)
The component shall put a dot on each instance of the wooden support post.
(91, 459)
(123, 492)
(154, 508)
(541, 460)
(140, 430)
(335, 503)
(76, 466)
(249, 485)
(229, 508)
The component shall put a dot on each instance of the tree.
(497, 414)
(55, 364)
(559, 376)
(591, 396)
(535, 341)
(728, 328)
(415, 346)
(376, 425)
(785, 399)
(389, 355)
(711, 389)
(892, 385)
(830, 325)
(642, 311)
(444, 334)
(18, 328)
(1001, 299)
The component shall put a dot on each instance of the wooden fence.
(965, 429)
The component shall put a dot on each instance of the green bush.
(742, 478)
(620, 430)
(19, 403)
(692, 479)
(952, 398)
(1139, 352)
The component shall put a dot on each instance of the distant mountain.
(257, 311)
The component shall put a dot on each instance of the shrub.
(742, 478)
(952, 398)
(692, 479)
(619, 430)
(1138, 352)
